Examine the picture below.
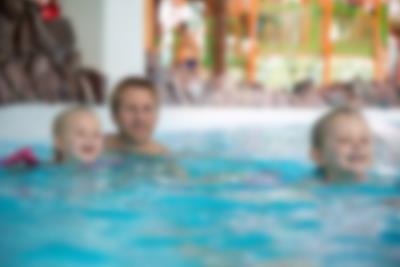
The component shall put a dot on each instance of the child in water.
(342, 146)
(77, 137)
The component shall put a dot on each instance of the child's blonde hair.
(321, 127)
(59, 125)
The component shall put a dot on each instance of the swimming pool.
(245, 202)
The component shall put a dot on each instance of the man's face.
(137, 114)
(348, 146)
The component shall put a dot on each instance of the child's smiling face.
(347, 147)
(82, 137)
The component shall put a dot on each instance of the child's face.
(347, 148)
(82, 138)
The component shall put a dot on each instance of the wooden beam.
(327, 49)
(219, 12)
(252, 35)
(150, 27)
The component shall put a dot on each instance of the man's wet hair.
(131, 83)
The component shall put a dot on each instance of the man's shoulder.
(158, 148)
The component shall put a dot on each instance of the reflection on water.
(226, 199)
(225, 213)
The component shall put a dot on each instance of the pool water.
(225, 199)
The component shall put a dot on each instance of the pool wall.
(31, 123)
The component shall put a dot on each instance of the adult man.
(135, 105)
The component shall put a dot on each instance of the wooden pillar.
(327, 49)
(236, 11)
(156, 21)
(150, 24)
(376, 19)
(219, 13)
(252, 35)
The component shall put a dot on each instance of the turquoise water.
(226, 199)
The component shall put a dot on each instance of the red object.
(24, 156)
(51, 11)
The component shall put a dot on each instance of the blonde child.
(77, 136)
(342, 146)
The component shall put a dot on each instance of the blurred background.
(68, 51)
(286, 52)
(202, 52)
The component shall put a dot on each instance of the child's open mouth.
(88, 150)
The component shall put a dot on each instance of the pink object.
(23, 156)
